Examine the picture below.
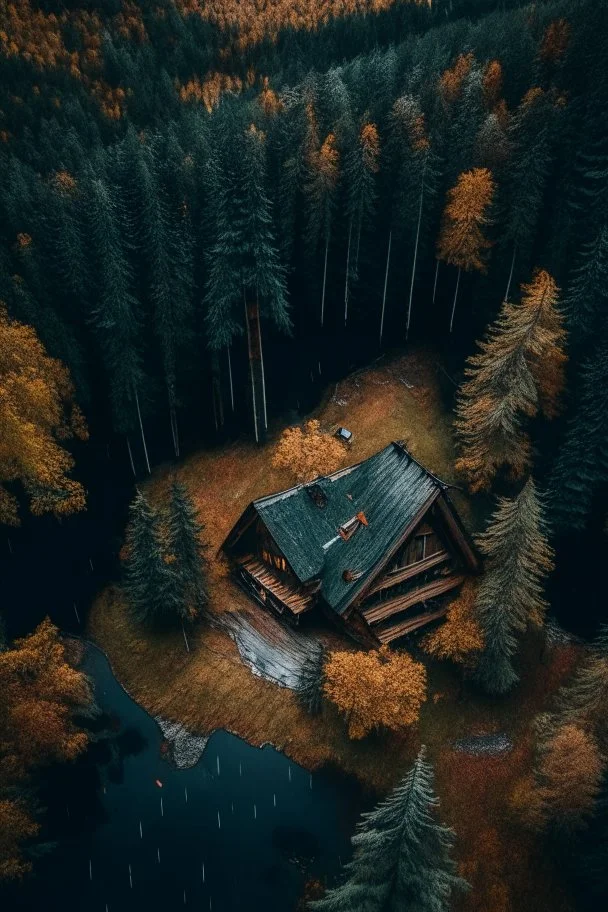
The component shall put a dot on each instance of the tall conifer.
(148, 577)
(517, 373)
(186, 553)
(402, 854)
(510, 594)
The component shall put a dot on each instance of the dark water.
(279, 826)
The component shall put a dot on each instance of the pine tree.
(165, 252)
(581, 465)
(510, 594)
(116, 317)
(309, 688)
(361, 164)
(582, 701)
(149, 580)
(526, 175)
(462, 242)
(245, 280)
(413, 184)
(517, 373)
(402, 854)
(586, 298)
(320, 188)
(186, 549)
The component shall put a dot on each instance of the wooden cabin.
(378, 547)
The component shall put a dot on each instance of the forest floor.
(213, 687)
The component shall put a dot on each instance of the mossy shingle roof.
(389, 488)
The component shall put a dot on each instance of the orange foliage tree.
(376, 689)
(459, 638)
(452, 79)
(40, 693)
(555, 41)
(518, 372)
(569, 774)
(37, 410)
(462, 242)
(308, 452)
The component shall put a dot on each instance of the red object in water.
(158, 783)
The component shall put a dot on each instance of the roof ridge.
(439, 481)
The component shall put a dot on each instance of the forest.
(213, 213)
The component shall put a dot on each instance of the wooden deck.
(405, 573)
(384, 610)
(296, 601)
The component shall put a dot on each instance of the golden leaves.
(376, 689)
(210, 90)
(459, 638)
(461, 240)
(36, 410)
(370, 147)
(39, 693)
(308, 452)
(452, 79)
(555, 41)
(492, 83)
(518, 371)
(569, 775)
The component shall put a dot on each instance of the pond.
(245, 828)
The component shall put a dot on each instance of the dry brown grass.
(211, 688)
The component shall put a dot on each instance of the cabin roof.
(389, 489)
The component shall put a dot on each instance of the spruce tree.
(149, 581)
(245, 278)
(586, 298)
(581, 465)
(402, 854)
(510, 594)
(526, 174)
(517, 373)
(116, 314)
(186, 549)
(309, 688)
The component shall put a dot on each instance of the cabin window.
(422, 545)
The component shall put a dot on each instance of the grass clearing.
(211, 688)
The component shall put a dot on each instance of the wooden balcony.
(295, 600)
(405, 573)
(384, 610)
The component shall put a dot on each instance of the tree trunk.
(261, 360)
(409, 306)
(388, 260)
(251, 371)
(455, 297)
(508, 289)
(350, 231)
(435, 282)
(230, 378)
(143, 436)
(324, 280)
(174, 430)
(130, 455)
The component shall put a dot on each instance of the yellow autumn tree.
(569, 774)
(462, 241)
(452, 79)
(37, 411)
(459, 638)
(380, 689)
(40, 695)
(518, 371)
(308, 451)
